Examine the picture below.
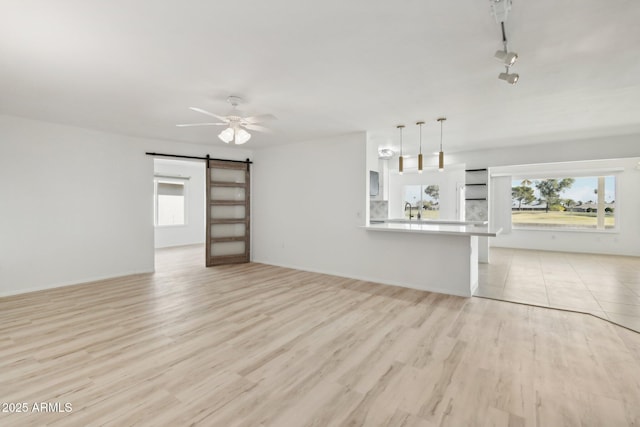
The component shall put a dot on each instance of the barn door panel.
(228, 215)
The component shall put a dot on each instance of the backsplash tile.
(476, 210)
(379, 209)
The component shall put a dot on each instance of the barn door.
(228, 212)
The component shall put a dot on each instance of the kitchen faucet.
(405, 208)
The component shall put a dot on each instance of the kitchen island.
(451, 248)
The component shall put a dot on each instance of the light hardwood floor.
(257, 345)
(607, 286)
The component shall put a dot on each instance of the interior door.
(228, 214)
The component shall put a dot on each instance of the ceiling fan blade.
(260, 118)
(200, 110)
(257, 128)
(185, 125)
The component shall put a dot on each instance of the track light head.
(511, 78)
(509, 58)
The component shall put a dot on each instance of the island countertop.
(423, 227)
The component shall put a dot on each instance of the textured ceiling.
(325, 67)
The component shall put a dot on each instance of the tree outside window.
(570, 202)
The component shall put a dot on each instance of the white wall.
(76, 205)
(309, 203)
(566, 151)
(193, 232)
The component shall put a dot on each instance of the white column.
(601, 203)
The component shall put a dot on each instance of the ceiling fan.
(235, 121)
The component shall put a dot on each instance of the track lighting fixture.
(400, 159)
(511, 78)
(441, 153)
(509, 58)
(420, 123)
(500, 9)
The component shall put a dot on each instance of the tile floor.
(607, 286)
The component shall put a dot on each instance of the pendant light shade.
(420, 148)
(236, 135)
(242, 136)
(226, 135)
(441, 153)
(400, 159)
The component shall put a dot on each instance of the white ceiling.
(325, 67)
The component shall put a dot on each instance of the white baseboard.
(10, 292)
(436, 289)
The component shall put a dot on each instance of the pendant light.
(400, 159)
(441, 154)
(420, 123)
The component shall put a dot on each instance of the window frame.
(422, 196)
(170, 180)
(569, 174)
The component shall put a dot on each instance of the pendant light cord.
(420, 138)
(441, 134)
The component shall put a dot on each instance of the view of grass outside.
(560, 219)
(575, 203)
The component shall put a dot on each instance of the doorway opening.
(179, 209)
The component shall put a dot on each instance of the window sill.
(171, 226)
(615, 230)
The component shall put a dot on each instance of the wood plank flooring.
(257, 345)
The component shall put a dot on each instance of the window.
(585, 202)
(422, 198)
(169, 202)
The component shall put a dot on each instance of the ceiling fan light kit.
(227, 135)
(237, 124)
(242, 136)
